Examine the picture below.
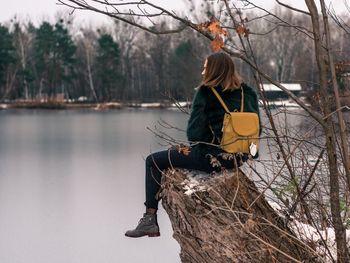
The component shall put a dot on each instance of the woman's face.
(204, 67)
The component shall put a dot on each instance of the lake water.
(72, 182)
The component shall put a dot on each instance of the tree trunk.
(213, 221)
(322, 63)
(342, 124)
(91, 81)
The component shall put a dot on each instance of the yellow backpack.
(240, 130)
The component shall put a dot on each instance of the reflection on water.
(71, 183)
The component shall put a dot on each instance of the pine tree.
(65, 50)
(108, 68)
(182, 62)
(7, 58)
(55, 58)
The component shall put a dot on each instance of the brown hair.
(221, 70)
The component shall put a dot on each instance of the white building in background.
(272, 92)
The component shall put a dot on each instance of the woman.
(203, 132)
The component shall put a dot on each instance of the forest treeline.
(118, 62)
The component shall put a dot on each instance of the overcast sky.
(39, 10)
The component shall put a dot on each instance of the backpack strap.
(223, 103)
(242, 100)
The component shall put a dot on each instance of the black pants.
(159, 161)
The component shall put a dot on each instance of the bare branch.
(303, 30)
(292, 8)
(83, 5)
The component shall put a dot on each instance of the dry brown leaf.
(215, 28)
(241, 29)
(217, 44)
(185, 150)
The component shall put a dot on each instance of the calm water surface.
(71, 183)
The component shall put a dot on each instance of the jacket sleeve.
(198, 126)
(255, 106)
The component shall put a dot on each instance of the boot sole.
(154, 235)
(149, 235)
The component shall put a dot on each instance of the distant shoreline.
(93, 106)
(116, 105)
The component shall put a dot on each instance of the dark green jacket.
(207, 114)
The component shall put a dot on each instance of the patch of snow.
(82, 98)
(181, 104)
(284, 103)
(150, 105)
(196, 174)
(275, 206)
(309, 234)
(322, 239)
(191, 186)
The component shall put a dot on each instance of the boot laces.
(143, 219)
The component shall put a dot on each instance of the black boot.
(147, 226)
